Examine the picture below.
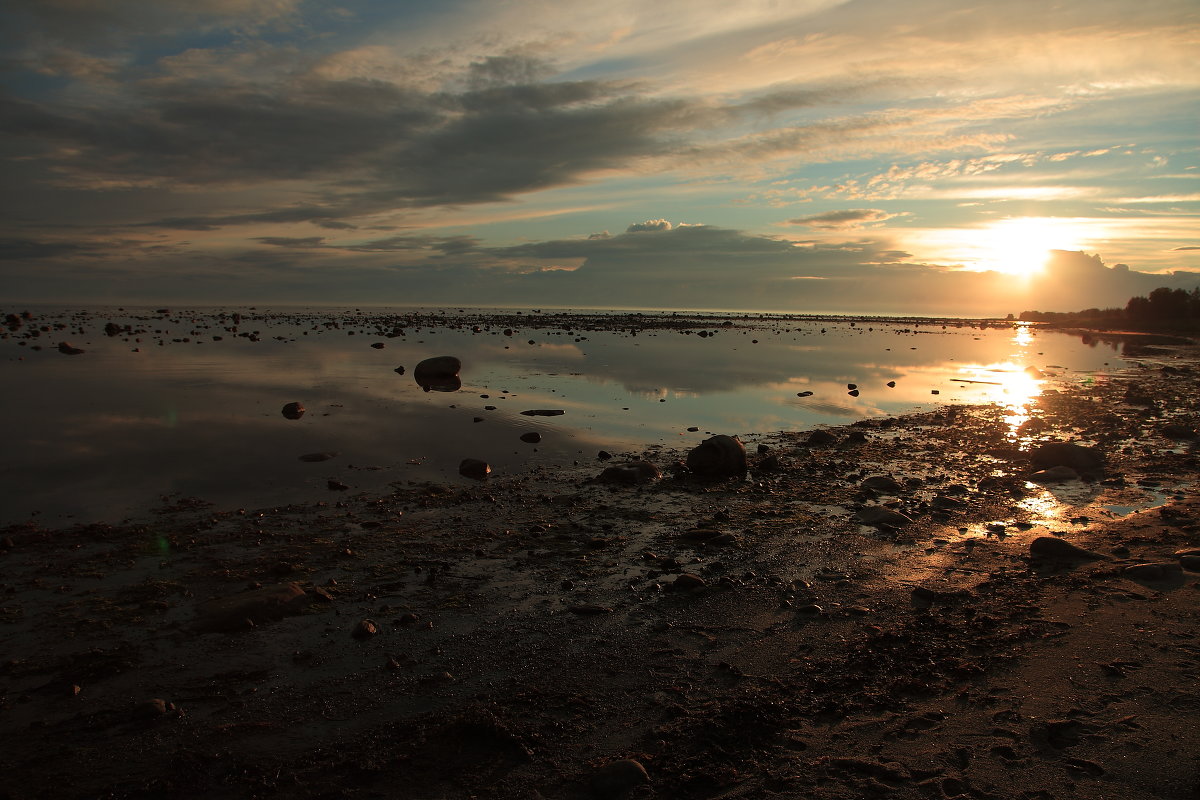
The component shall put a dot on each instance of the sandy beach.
(808, 630)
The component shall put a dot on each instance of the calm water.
(112, 431)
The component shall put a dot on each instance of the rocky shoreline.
(554, 635)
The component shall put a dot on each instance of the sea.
(112, 413)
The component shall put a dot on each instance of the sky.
(869, 156)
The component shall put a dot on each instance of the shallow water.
(114, 430)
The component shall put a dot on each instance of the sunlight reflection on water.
(182, 411)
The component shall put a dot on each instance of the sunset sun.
(1021, 246)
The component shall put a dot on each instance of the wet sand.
(552, 635)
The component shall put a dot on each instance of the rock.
(543, 412)
(804, 394)
(1190, 562)
(378, 345)
(604, 455)
(890, 384)
(1177, 430)
(687, 582)
(533, 437)
(336, 486)
(632, 473)
(1153, 571)
(474, 468)
(365, 629)
(853, 392)
(881, 515)
(1067, 454)
(718, 457)
(399, 370)
(247, 609)
(883, 483)
(1054, 475)
(438, 374)
(293, 410)
(820, 438)
(1053, 548)
(67, 349)
(617, 778)
(317, 456)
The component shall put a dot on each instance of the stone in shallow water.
(474, 468)
(1051, 547)
(293, 410)
(438, 374)
(718, 457)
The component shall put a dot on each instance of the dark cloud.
(1177, 249)
(31, 249)
(286, 241)
(849, 218)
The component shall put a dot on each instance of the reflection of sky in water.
(111, 430)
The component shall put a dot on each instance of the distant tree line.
(1163, 309)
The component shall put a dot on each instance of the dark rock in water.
(604, 455)
(294, 410)
(633, 473)
(1054, 475)
(399, 370)
(438, 374)
(852, 386)
(804, 394)
(378, 345)
(617, 779)
(820, 438)
(1177, 430)
(533, 437)
(337, 486)
(474, 468)
(313, 457)
(67, 349)
(246, 609)
(855, 437)
(890, 384)
(883, 483)
(1051, 547)
(1190, 562)
(881, 515)
(853, 392)
(718, 457)
(1067, 454)
(543, 412)
(1155, 571)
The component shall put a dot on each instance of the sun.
(1020, 246)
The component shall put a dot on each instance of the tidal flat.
(868, 608)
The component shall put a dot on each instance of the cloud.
(649, 225)
(286, 241)
(850, 218)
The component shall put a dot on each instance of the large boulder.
(718, 457)
(438, 374)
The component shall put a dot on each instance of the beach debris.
(66, 348)
(543, 412)
(533, 437)
(885, 484)
(474, 468)
(881, 515)
(1054, 475)
(1053, 548)
(632, 473)
(1067, 454)
(250, 608)
(718, 457)
(293, 410)
(617, 778)
(438, 374)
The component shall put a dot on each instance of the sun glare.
(1021, 246)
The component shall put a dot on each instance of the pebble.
(365, 629)
(687, 581)
(618, 778)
